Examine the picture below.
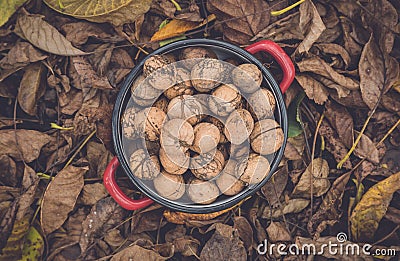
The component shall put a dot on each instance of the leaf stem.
(58, 127)
(290, 7)
(177, 6)
(80, 148)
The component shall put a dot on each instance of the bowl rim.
(119, 108)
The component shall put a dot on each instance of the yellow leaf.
(172, 29)
(33, 245)
(12, 250)
(372, 207)
(8, 8)
(116, 12)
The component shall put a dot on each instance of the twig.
(284, 10)
(79, 149)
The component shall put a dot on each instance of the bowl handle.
(117, 194)
(280, 56)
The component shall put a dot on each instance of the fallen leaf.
(311, 26)
(241, 19)
(147, 221)
(245, 231)
(116, 13)
(136, 252)
(341, 121)
(186, 245)
(295, 147)
(294, 119)
(224, 244)
(20, 55)
(92, 193)
(33, 245)
(329, 211)
(318, 172)
(88, 77)
(8, 8)
(102, 217)
(277, 232)
(30, 183)
(295, 205)
(30, 143)
(78, 33)
(7, 223)
(341, 92)
(393, 214)
(31, 88)
(173, 29)
(366, 148)
(313, 88)
(378, 71)
(372, 207)
(335, 49)
(8, 175)
(273, 189)
(319, 66)
(60, 197)
(13, 246)
(98, 157)
(44, 36)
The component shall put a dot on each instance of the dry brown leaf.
(8, 175)
(245, 231)
(393, 214)
(30, 183)
(187, 245)
(313, 88)
(311, 26)
(224, 244)
(145, 221)
(340, 90)
(273, 189)
(295, 205)
(30, 143)
(92, 193)
(102, 217)
(318, 169)
(31, 88)
(243, 19)
(88, 77)
(372, 207)
(60, 197)
(378, 71)
(341, 121)
(366, 148)
(172, 29)
(78, 33)
(20, 55)
(335, 49)
(44, 36)
(136, 252)
(277, 231)
(329, 212)
(319, 66)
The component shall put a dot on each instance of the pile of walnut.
(193, 154)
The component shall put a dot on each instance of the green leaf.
(33, 245)
(295, 123)
(8, 8)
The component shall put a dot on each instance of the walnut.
(208, 165)
(220, 126)
(128, 122)
(267, 137)
(202, 192)
(162, 104)
(155, 62)
(147, 121)
(185, 107)
(238, 126)
(176, 134)
(175, 163)
(227, 182)
(154, 121)
(255, 169)
(142, 93)
(208, 74)
(169, 186)
(190, 54)
(206, 137)
(144, 166)
(160, 73)
(247, 77)
(153, 147)
(262, 104)
(224, 100)
(183, 85)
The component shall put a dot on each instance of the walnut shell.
(144, 166)
(153, 147)
(176, 134)
(220, 126)
(267, 137)
(202, 192)
(160, 73)
(247, 77)
(128, 122)
(187, 108)
(240, 151)
(155, 62)
(147, 121)
(175, 163)
(190, 55)
(208, 165)
(262, 103)
(224, 100)
(183, 85)
(143, 94)
(154, 121)
(169, 186)
(238, 126)
(208, 74)
(227, 182)
(162, 104)
(206, 137)
(256, 168)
